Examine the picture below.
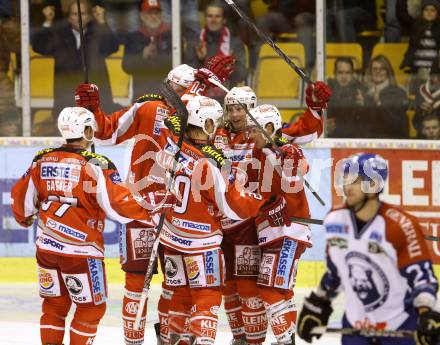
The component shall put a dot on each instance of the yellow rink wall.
(23, 270)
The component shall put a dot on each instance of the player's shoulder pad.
(149, 97)
(174, 124)
(41, 153)
(280, 141)
(98, 160)
(214, 153)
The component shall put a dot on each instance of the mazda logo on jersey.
(73, 284)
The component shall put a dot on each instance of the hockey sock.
(163, 309)
(134, 284)
(204, 314)
(280, 313)
(52, 322)
(254, 313)
(232, 306)
(179, 317)
(85, 323)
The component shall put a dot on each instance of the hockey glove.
(221, 65)
(275, 212)
(87, 96)
(294, 154)
(315, 313)
(204, 75)
(317, 95)
(428, 328)
(160, 201)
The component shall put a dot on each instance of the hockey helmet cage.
(201, 109)
(368, 166)
(72, 122)
(242, 94)
(182, 75)
(265, 114)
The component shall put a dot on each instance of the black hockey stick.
(432, 238)
(83, 46)
(174, 100)
(265, 37)
(83, 52)
(306, 220)
(268, 138)
(365, 332)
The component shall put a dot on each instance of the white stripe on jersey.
(220, 191)
(124, 123)
(30, 199)
(103, 199)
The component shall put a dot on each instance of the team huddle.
(221, 189)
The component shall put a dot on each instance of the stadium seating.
(42, 79)
(349, 50)
(120, 82)
(395, 53)
(275, 81)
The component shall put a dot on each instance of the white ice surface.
(20, 308)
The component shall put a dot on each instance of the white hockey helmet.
(72, 122)
(182, 75)
(265, 114)
(242, 94)
(201, 109)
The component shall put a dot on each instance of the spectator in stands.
(148, 50)
(38, 7)
(62, 41)
(293, 16)
(189, 17)
(10, 123)
(424, 43)
(9, 43)
(392, 29)
(431, 127)
(345, 111)
(407, 11)
(385, 102)
(122, 15)
(345, 18)
(427, 99)
(216, 38)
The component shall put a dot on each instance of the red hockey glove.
(160, 201)
(221, 65)
(204, 75)
(87, 96)
(317, 95)
(275, 212)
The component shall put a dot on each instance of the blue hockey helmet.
(368, 166)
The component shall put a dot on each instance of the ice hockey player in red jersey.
(377, 256)
(192, 232)
(282, 244)
(72, 190)
(143, 121)
(241, 292)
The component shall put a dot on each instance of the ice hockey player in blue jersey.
(376, 254)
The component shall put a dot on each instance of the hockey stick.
(432, 238)
(269, 139)
(174, 100)
(365, 332)
(306, 220)
(83, 53)
(265, 37)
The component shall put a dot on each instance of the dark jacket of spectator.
(424, 43)
(148, 73)
(345, 111)
(9, 43)
(387, 118)
(59, 41)
(213, 39)
(407, 11)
